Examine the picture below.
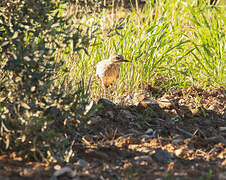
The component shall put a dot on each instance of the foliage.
(169, 43)
(44, 52)
(209, 44)
(38, 119)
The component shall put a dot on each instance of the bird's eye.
(119, 57)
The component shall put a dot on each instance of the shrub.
(38, 120)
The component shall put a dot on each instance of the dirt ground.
(180, 134)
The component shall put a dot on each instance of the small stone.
(162, 156)
(57, 167)
(222, 128)
(143, 158)
(164, 103)
(81, 164)
(178, 152)
(147, 101)
(177, 141)
(149, 131)
(134, 132)
(65, 170)
(146, 137)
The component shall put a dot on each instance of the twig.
(185, 132)
(137, 8)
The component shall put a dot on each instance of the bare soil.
(182, 136)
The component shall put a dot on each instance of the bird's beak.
(123, 60)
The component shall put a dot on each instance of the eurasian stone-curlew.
(108, 70)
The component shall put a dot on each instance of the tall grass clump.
(169, 43)
(208, 40)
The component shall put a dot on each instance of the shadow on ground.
(179, 135)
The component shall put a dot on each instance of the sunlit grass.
(171, 44)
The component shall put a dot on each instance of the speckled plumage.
(108, 70)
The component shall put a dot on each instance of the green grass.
(173, 44)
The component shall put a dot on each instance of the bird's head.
(117, 58)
